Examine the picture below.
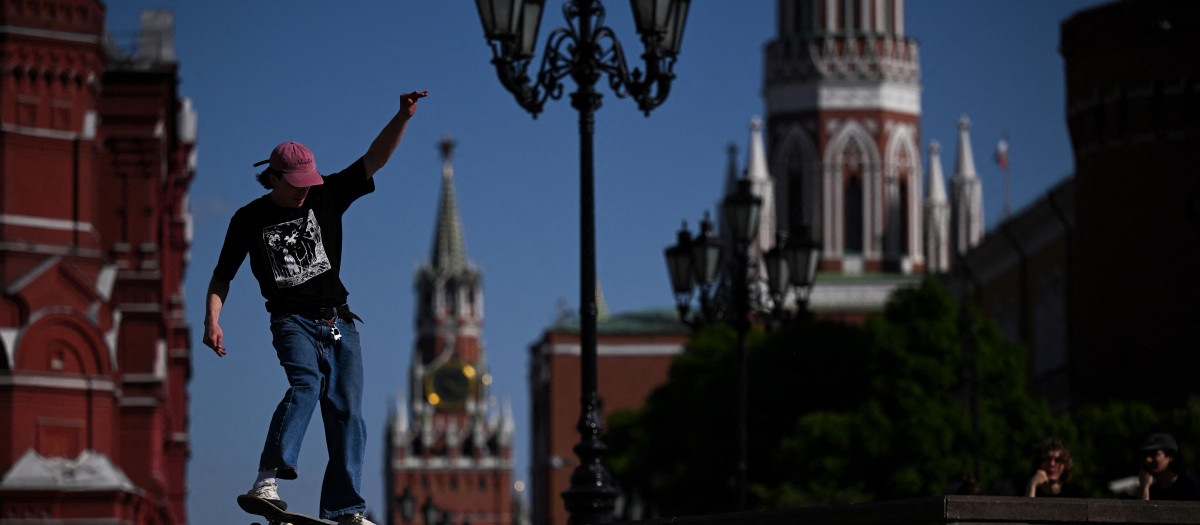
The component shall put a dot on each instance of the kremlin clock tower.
(450, 455)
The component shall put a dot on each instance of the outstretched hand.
(408, 102)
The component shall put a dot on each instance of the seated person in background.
(1052, 466)
(1161, 476)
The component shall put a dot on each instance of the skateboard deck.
(273, 514)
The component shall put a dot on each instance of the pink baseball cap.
(296, 163)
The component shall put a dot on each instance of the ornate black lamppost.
(741, 212)
(693, 263)
(585, 50)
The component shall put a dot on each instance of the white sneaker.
(268, 490)
(353, 519)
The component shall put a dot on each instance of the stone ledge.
(967, 510)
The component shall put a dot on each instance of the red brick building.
(634, 354)
(96, 155)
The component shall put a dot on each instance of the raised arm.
(385, 144)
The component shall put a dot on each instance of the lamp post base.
(591, 497)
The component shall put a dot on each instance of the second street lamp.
(692, 264)
(741, 211)
(408, 505)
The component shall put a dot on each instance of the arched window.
(852, 220)
(904, 215)
(797, 208)
(854, 213)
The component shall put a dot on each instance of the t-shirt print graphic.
(295, 251)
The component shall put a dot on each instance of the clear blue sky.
(329, 74)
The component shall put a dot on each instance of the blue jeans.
(326, 371)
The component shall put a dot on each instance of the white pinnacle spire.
(507, 425)
(937, 183)
(964, 165)
(966, 205)
(760, 181)
(400, 428)
(937, 215)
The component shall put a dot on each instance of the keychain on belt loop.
(333, 330)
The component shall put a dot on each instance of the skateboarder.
(293, 236)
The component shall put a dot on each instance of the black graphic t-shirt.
(295, 253)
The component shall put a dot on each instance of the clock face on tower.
(449, 386)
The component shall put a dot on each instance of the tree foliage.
(837, 413)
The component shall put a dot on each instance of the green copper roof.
(639, 322)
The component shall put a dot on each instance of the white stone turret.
(763, 188)
(454, 437)
(479, 433)
(401, 431)
(966, 204)
(507, 425)
(427, 433)
(936, 216)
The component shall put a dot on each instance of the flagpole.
(1002, 160)
(1007, 194)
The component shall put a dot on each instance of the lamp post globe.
(408, 505)
(513, 23)
(778, 271)
(430, 511)
(706, 254)
(803, 254)
(680, 269)
(692, 264)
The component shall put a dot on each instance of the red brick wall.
(76, 204)
(623, 381)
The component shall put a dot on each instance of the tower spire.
(966, 206)
(449, 247)
(937, 215)
(449, 383)
(964, 164)
(764, 188)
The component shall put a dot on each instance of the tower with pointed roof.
(937, 216)
(966, 205)
(450, 446)
(842, 89)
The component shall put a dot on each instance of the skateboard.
(275, 515)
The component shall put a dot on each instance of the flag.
(1002, 154)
